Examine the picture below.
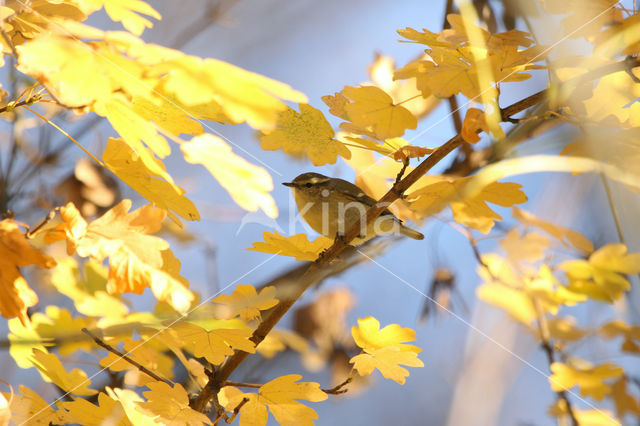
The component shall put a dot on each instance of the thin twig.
(136, 364)
(242, 384)
(48, 218)
(337, 390)
(230, 419)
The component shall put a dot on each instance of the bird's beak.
(290, 184)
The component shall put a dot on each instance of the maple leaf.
(564, 329)
(248, 184)
(74, 382)
(622, 38)
(601, 277)
(171, 405)
(242, 95)
(384, 349)
(589, 379)
(564, 235)
(278, 340)
(624, 401)
(149, 353)
(89, 294)
(618, 328)
(371, 107)
(83, 412)
(57, 325)
(30, 407)
(279, 395)
(585, 18)
(128, 166)
(214, 345)
(530, 247)
(615, 95)
(306, 132)
(246, 302)
(470, 211)
(297, 245)
(126, 11)
(136, 259)
(130, 402)
(16, 252)
(474, 122)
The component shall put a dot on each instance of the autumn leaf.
(84, 412)
(214, 345)
(278, 340)
(373, 108)
(474, 123)
(149, 353)
(297, 245)
(246, 302)
(469, 211)
(383, 349)
(126, 11)
(624, 401)
(30, 407)
(57, 325)
(307, 132)
(590, 380)
(171, 405)
(530, 247)
(601, 277)
(248, 184)
(74, 382)
(136, 259)
(279, 396)
(615, 96)
(564, 235)
(16, 252)
(631, 334)
(127, 165)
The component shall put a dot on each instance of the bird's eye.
(308, 185)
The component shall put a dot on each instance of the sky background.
(318, 47)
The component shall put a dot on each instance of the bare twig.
(337, 390)
(136, 364)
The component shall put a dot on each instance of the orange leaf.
(474, 123)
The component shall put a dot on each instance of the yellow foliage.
(30, 407)
(590, 380)
(128, 166)
(75, 382)
(125, 11)
(306, 132)
(171, 405)
(136, 260)
(83, 412)
(601, 277)
(297, 246)
(248, 184)
(16, 252)
(564, 235)
(473, 212)
(279, 395)
(383, 349)
(246, 302)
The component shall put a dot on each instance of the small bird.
(331, 206)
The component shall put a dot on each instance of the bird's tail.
(411, 233)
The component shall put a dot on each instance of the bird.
(332, 205)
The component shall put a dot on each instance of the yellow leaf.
(278, 340)
(125, 11)
(615, 96)
(297, 246)
(32, 409)
(149, 353)
(470, 211)
(305, 132)
(373, 108)
(618, 328)
(130, 403)
(136, 259)
(248, 184)
(171, 405)
(128, 166)
(585, 18)
(514, 301)
(57, 325)
(279, 395)
(387, 360)
(530, 247)
(19, 350)
(16, 252)
(624, 401)
(214, 345)
(384, 349)
(590, 380)
(564, 329)
(83, 412)
(564, 235)
(474, 123)
(166, 114)
(75, 382)
(601, 277)
(242, 95)
(246, 302)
